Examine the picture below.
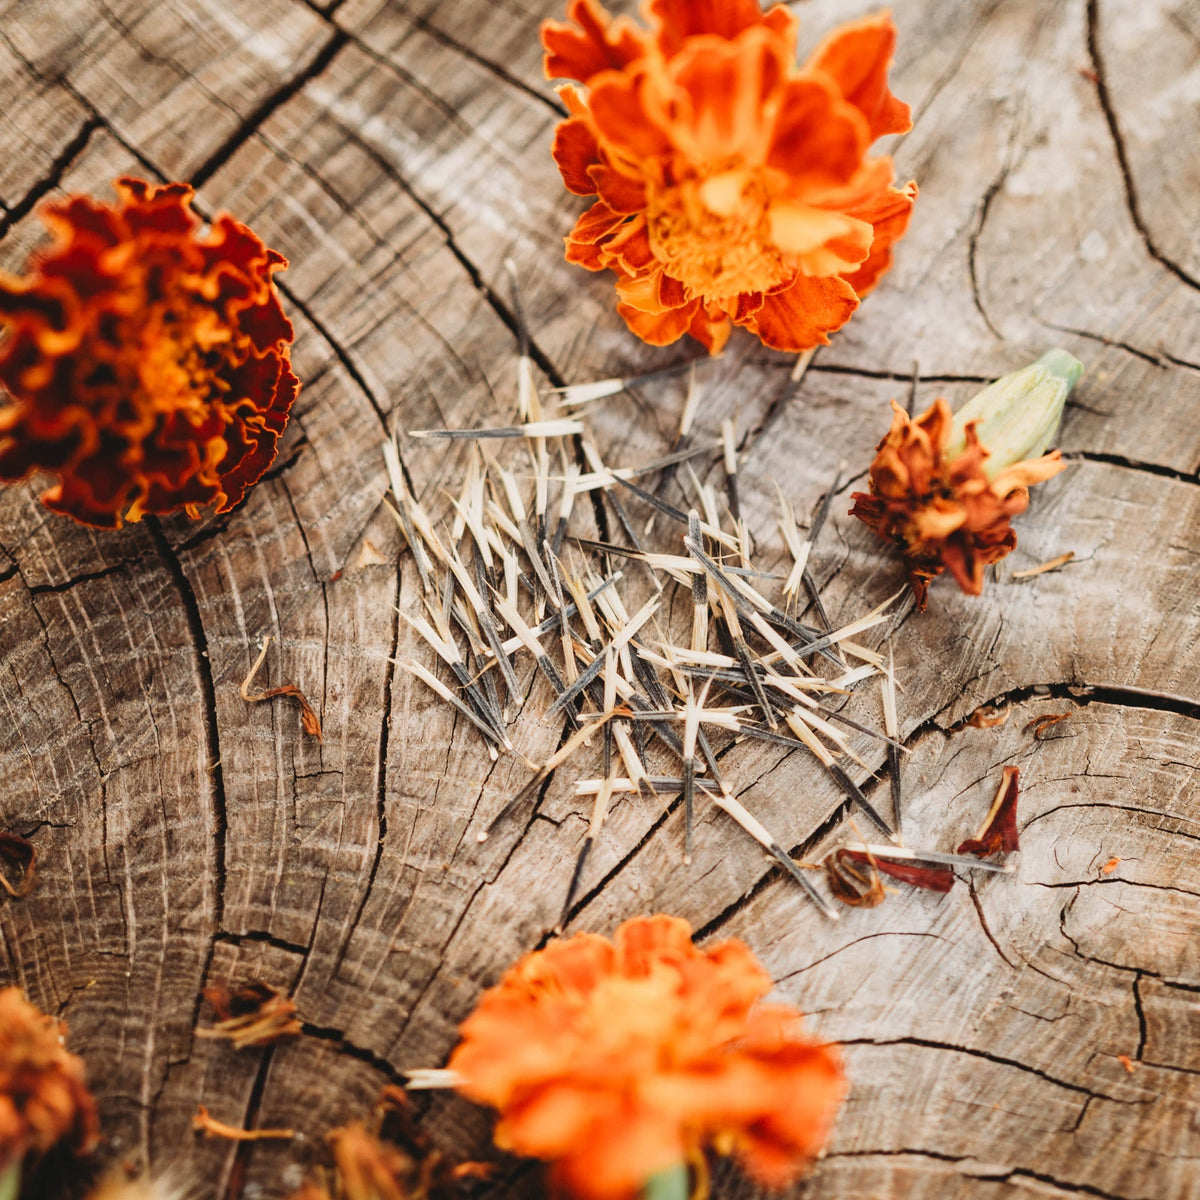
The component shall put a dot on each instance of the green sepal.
(1017, 417)
(671, 1184)
(10, 1181)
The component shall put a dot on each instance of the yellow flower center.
(182, 347)
(728, 234)
(713, 235)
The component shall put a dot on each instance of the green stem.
(671, 1184)
(10, 1181)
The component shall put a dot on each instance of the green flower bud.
(1017, 416)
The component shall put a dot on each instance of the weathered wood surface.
(398, 153)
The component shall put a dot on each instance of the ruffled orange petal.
(573, 100)
(805, 314)
(647, 943)
(620, 1155)
(713, 110)
(818, 139)
(585, 243)
(743, 979)
(960, 558)
(620, 192)
(647, 293)
(589, 42)
(631, 247)
(618, 109)
(712, 332)
(678, 20)
(748, 303)
(889, 214)
(586, 254)
(574, 967)
(550, 1121)
(576, 151)
(1033, 470)
(858, 56)
(599, 221)
(671, 293)
(659, 329)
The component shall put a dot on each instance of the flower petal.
(659, 329)
(858, 56)
(642, 944)
(620, 1154)
(594, 227)
(576, 151)
(800, 229)
(889, 214)
(819, 139)
(631, 247)
(573, 100)
(1032, 470)
(619, 112)
(599, 221)
(593, 43)
(620, 192)
(643, 292)
(681, 19)
(803, 315)
(711, 332)
(714, 110)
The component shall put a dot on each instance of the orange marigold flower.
(43, 1100)
(147, 367)
(732, 187)
(618, 1060)
(945, 511)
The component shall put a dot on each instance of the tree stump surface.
(1033, 1035)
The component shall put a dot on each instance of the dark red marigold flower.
(146, 366)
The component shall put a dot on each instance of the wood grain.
(397, 153)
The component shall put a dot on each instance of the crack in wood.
(1132, 201)
(260, 937)
(342, 1045)
(62, 163)
(985, 207)
(265, 108)
(208, 708)
(1130, 464)
(982, 1174)
(973, 892)
(65, 585)
(992, 1057)
(439, 35)
(464, 260)
(241, 1161)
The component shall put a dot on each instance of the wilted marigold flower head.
(391, 1159)
(146, 366)
(43, 1099)
(618, 1060)
(732, 187)
(945, 511)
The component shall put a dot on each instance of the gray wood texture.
(398, 153)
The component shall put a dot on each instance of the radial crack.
(1132, 201)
